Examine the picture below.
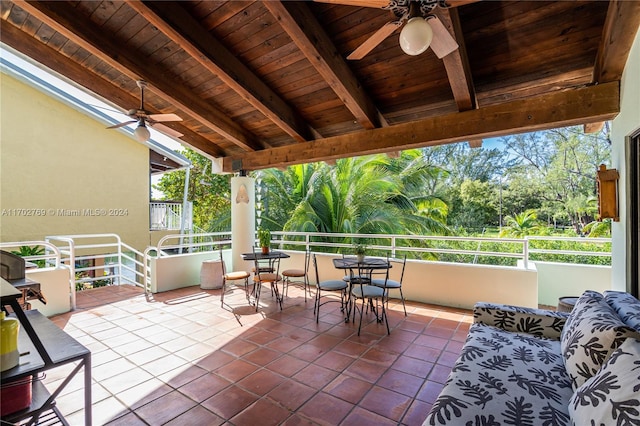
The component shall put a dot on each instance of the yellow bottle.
(9, 354)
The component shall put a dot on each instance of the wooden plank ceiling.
(267, 84)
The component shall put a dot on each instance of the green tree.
(598, 229)
(560, 165)
(464, 163)
(477, 205)
(210, 193)
(371, 194)
(521, 225)
(461, 163)
(283, 190)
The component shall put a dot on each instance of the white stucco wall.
(54, 285)
(449, 284)
(556, 280)
(181, 270)
(625, 124)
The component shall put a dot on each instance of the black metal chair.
(390, 284)
(328, 286)
(362, 289)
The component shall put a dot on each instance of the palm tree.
(369, 195)
(521, 224)
(283, 191)
(598, 229)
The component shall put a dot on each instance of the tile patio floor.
(180, 359)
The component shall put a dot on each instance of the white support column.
(243, 220)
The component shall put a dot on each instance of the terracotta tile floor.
(181, 359)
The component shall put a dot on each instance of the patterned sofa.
(522, 366)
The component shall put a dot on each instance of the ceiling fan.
(421, 29)
(144, 118)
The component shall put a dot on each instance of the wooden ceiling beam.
(176, 23)
(570, 107)
(81, 31)
(457, 63)
(43, 54)
(593, 127)
(307, 33)
(619, 31)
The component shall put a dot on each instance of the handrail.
(283, 238)
(170, 212)
(393, 246)
(73, 244)
(146, 270)
(162, 248)
(55, 256)
(581, 240)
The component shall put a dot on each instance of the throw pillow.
(592, 334)
(612, 396)
(585, 302)
(626, 306)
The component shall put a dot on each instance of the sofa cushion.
(626, 306)
(611, 397)
(539, 322)
(592, 332)
(504, 377)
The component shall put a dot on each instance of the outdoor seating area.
(180, 358)
(358, 285)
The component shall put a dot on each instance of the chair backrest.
(224, 267)
(307, 260)
(384, 272)
(264, 266)
(399, 262)
(315, 267)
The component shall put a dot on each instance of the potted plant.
(360, 250)
(264, 239)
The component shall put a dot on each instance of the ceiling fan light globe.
(416, 36)
(141, 133)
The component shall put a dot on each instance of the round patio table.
(367, 264)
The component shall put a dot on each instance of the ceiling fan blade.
(443, 42)
(378, 37)
(166, 130)
(126, 123)
(378, 4)
(163, 117)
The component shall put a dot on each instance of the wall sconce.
(608, 193)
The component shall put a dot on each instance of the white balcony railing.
(165, 216)
(474, 266)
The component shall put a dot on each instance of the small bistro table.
(271, 256)
(368, 264)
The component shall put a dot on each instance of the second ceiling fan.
(421, 29)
